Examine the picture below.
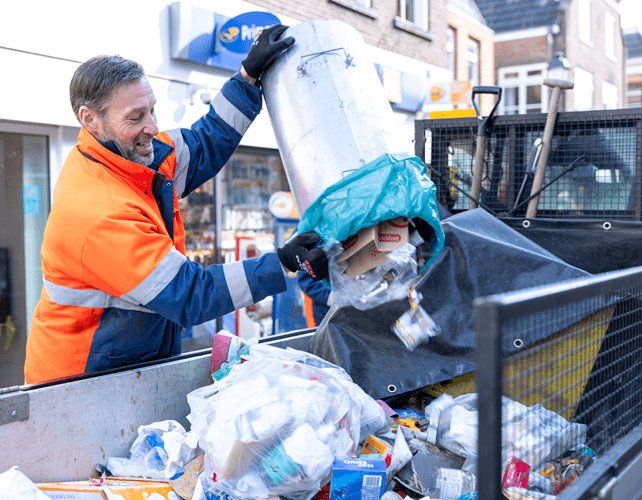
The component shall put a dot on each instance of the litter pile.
(284, 423)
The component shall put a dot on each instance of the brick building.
(586, 32)
(470, 48)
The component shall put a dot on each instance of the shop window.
(247, 181)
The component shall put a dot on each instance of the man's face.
(130, 121)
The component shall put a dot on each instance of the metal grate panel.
(575, 348)
(594, 166)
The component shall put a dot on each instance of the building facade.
(633, 42)
(586, 32)
(39, 53)
(470, 48)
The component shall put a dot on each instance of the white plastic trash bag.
(160, 451)
(274, 425)
(532, 434)
(14, 485)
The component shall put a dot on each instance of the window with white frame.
(584, 89)
(523, 91)
(415, 12)
(585, 21)
(472, 56)
(609, 35)
(609, 95)
(450, 48)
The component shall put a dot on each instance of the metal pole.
(489, 393)
(218, 217)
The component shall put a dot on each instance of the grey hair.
(96, 80)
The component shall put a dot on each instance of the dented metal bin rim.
(61, 430)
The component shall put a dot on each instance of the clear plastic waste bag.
(274, 425)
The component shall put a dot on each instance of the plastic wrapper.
(14, 485)
(415, 326)
(385, 283)
(160, 451)
(275, 423)
(453, 483)
(532, 434)
(514, 493)
(401, 455)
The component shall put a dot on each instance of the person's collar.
(112, 146)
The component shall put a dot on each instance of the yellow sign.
(455, 113)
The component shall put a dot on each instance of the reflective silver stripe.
(237, 284)
(96, 299)
(230, 114)
(182, 160)
(159, 278)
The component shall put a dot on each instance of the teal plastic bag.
(388, 187)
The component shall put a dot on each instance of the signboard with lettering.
(205, 37)
(457, 92)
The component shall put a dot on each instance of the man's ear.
(88, 119)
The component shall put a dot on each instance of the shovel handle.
(482, 135)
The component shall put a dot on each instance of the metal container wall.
(327, 106)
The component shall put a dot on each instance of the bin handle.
(301, 68)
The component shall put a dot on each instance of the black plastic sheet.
(482, 256)
(596, 246)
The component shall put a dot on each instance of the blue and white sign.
(238, 33)
(205, 37)
(31, 198)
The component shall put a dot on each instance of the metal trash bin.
(327, 106)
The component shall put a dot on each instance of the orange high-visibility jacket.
(117, 285)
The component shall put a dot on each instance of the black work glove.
(265, 48)
(301, 254)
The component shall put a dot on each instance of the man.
(117, 286)
(317, 299)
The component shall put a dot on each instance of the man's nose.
(150, 125)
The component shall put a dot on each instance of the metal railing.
(575, 348)
(594, 168)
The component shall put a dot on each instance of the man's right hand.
(302, 254)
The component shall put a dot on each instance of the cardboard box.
(185, 484)
(357, 479)
(369, 247)
(376, 445)
(392, 234)
(111, 488)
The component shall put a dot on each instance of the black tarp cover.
(482, 256)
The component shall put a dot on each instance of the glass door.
(24, 201)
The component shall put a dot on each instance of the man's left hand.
(264, 49)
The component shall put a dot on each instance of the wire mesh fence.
(594, 168)
(560, 372)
